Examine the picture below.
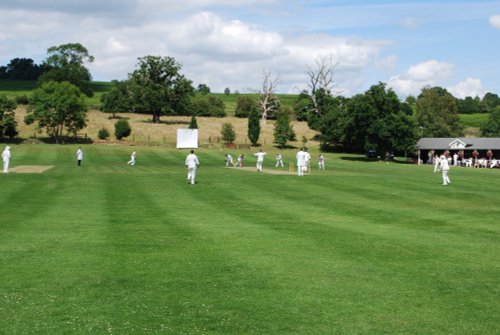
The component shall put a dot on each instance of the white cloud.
(430, 70)
(471, 87)
(428, 73)
(495, 21)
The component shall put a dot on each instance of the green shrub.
(22, 100)
(103, 134)
(122, 129)
(228, 134)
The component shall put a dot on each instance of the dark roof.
(455, 143)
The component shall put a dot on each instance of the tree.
(437, 113)
(122, 129)
(158, 87)
(56, 106)
(193, 124)
(22, 69)
(254, 126)
(370, 121)
(491, 128)
(490, 101)
(117, 99)
(208, 106)
(268, 101)
(244, 104)
(8, 122)
(65, 63)
(203, 89)
(228, 134)
(227, 91)
(283, 130)
(469, 105)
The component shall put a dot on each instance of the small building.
(465, 144)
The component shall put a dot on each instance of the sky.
(233, 43)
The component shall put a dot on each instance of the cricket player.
(191, 163)
(132, 158)
(279, 160)
(444, 166)
(260, 159)
(321, 162)
(79, 156)
(6, 159)
(301, 162)
(229, 160)
(307, 158)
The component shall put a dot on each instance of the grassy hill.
(471, 122)
(361, 248)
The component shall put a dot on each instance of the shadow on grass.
(169, 122)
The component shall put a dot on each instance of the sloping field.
(361, 248)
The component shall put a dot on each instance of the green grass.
(473, 120)
(361, 248)
(15, 88)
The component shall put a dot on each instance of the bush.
(209, 106)
(103, 134)
(244, 105)
(122, 129)
(228, 134)
(23, 100)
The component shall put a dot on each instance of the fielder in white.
(444, 165)
(260, 159)
(191, 163)
(79, 156)
(132, 158)
(321, 162)
(307, 158)
(301, 162)
(279, 160)
(6, 159)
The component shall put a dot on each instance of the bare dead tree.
(321, 78)
(268, 100)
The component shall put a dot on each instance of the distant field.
(474, 120)
(361, 248)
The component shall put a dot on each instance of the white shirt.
(192, 161)
(307, 157)
(79, 154)
(301, 158)
(444, 163)
(260, 156)
(6, 154)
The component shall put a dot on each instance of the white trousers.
(259, 166)
(279, 162)
(191, 174)
(131, 162)
(5, 166)
(446, 180)
(300, 170)
(321, 165)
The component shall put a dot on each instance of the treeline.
(374, 120)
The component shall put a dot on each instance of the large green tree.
(8, 122)
(491, 128)
(66, 63)
(57, 106)
(157, 87)
(437, 113)
(373, 120)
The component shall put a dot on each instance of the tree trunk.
(156, 117)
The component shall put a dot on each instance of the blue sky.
(231, 43)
